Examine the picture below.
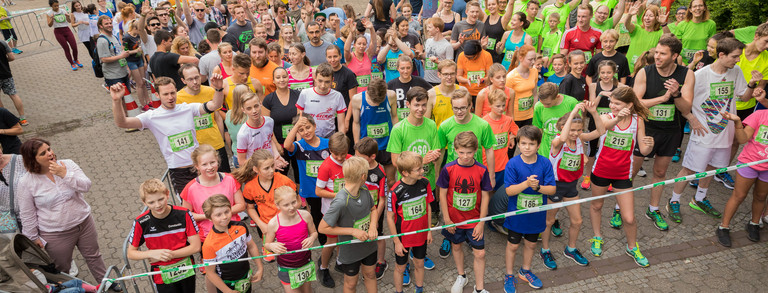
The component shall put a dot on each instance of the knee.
(399, 269)
(659, 173)
(576, 220)
(628, 219)
(479, 254)
(596, 205)
(369, 274)
(551, 221)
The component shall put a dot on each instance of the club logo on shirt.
(464, 185)
(328, 114)
(374, 178)
(592, 40)
(324, 154)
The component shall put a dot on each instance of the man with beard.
(195, 22)
(316, 46)
(261, 67)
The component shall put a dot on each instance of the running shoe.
(267, 259)
(676, 157)
(497, 228)
(673, 208)
(723, 236)
(509, 283)
(458, 286)
(530, 278)
(705, 207)
(576, 256)
(129, 130)
(556, 231)
(428, 263)
(78, 64)
(407, 275)
(481, 291)
(610, 188)
(642, 172)
(657, 218)
(616, 219)
(325, 279)
(337, 267)
(445, 249)
(23, 122)
(17, 51)
(694, 183)
(74, 67)
(637, 256)
(73, 269)
(753, 232)
(145, 108)
(597, 246)
(252, 224)
(380, 269)
(435, 219)
(725, 179)
(419, 289)
(585, 184)
(687, 128)
(548, 259)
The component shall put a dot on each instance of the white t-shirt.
(174, 131)
(323, 108)
(715, 93)
(251, 138)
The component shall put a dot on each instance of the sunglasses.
(199, 10)
(319, 19)
(154, 24)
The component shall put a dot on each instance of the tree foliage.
(731, 14)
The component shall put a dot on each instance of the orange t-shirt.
(503, 130)
(264, 200)
(264, 75)
(475, 70)
(524, 99)
(486, 106)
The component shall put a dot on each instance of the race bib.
(491, 44)
(501, 141)
(181, 141)
(380, 130)
(301, 275)
(402, 113)
(286, 129)
(662, 112)
(524, 104)
(363, 223)
(688, 54)
(60, 18)
(588, 55)
(429, 65)
(375, 196)
(203, 122)
(377, 75)
(175, 276)
(721, 90)
(416, 209)
(546, 51)
(618, 141)
(508, 56)
(464, 201)
(242, 285)
(363, 80)
(570, 162)
(338, 184)
(300, 86)
(391, 63)
(527, 201)
(475, 76)
(313, 166)
(762, 135)
(603, 110)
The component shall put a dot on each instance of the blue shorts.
(135, 65)
(465, 235)
(499, 180)
(124, 80)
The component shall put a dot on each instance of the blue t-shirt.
(390, 65)
(556, 79)
(309, 159)
(376, 122)
(518, 171)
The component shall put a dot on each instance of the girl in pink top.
(300, 74)
(210, 182)
(291, 229)
(359, 60)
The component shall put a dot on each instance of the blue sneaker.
(725, 179)
(445, 249)
(419, 289)
(576, 256)
(509, 283)
(549, 260)
(687, 128)
(676, 157)
(597, 246)
(428, 263)
(530, 278)
(694, 183)
(407, 275)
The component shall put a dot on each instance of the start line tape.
(495, 217)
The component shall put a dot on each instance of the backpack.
(97, 69)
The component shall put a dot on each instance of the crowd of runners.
(310, 123)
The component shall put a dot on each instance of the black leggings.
(314, 204)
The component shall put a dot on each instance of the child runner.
(608, 40)
(258, 133)
(599, 93)
(324, 103)
(497, 75)
(528, 180)
(550, 107)
(567, 158)
(504, 132)
(613, 166)
(373, 116)
(464, 194)
(559, 69)
(574, 84)
(291, 229)
(352, 215)
(408, 210)
(229, 240)
(170, 234)
(551, 36)
(260, 182)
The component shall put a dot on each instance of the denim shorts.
(135, 65)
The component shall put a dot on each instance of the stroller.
(18, 255)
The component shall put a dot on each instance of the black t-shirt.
(411, 40)
(705, 60)
(387, 18)
(11, 143)
(343, 81)
(131, 43)
(494, 32)
(574, 87)
(241, 35)
(401, 88)
(281, 114)
(5, 68)
(621, 64)
(654, 87)
(166, 64)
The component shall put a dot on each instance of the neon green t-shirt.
(534, 30)
(550, 42)
(419, 139)
(610, 3)
(6, 24)
(745, 34)
(522, 5)
(450, 128)
(694, 36)
(546, 119)
(607, 24)
(760, 64)
(641, 40)
(564, 11)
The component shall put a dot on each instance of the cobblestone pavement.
(72, 110)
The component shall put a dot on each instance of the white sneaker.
(482, 291)
(458, 286)
(641, 172)
(73, 270)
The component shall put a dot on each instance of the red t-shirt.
(465, 185)
(410, 203)
(576, 39)
(376, 183)
(330, 177)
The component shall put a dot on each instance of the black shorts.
(419, 252)
(515, 237)
(616, 183)
(743, 114)
(665, 143)
(352, 269)
(9, 33)
(384, 157)
(185, 285)
(564, 190)
(592, 147)
(124, 80)
(180, 177)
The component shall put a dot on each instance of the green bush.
(731, 14)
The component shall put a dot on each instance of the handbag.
(8, 221)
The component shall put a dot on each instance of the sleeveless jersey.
(510, 48)
(292, 236)
(376, 122)
(603, 104)
(299, 84)
(362, 69)
(568, 164)
(442, 109)
(614, 156)
(663, 117)
(231, 84)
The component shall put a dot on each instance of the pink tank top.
(362, 69)
(224, 73)
(292, 236)
(299, 84)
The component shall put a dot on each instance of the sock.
(544, 250)
(322, 268)
(569, 249)
(338, 262)
(653, 208)
(701, 193)
(464, 276)
(617, 207)
(675, 197)
(723, 228)
(478, 291)
(754, 224)
(89, 287)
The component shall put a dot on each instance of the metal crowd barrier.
(167, 180)
(28, 28)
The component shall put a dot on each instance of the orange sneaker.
(610, 188)
(586, 183)
(268, 259)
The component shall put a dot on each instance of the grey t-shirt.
(346, 211)
(196, 34)
(316, 55)
(115, 69)
(442, 50)
(209, 62)
(469, 31)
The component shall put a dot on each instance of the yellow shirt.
(231, 84)
(205, 125)
(442, 109)
(760, 64)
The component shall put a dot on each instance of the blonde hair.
(445, 63)
(466, 139)
(407, 161)
(222, 46)
(245, 173)
(240, 94)
(180, 40)
(495, 96)
(496, 68)
(461, 93)
(284, 192)
(201, 150)
(611, 33)
(215, 201)
(354, 169)
(152, 186)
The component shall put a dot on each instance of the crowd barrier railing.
(28, 28)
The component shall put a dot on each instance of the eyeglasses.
(460, 109)
(199, 10)
(154, 24)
